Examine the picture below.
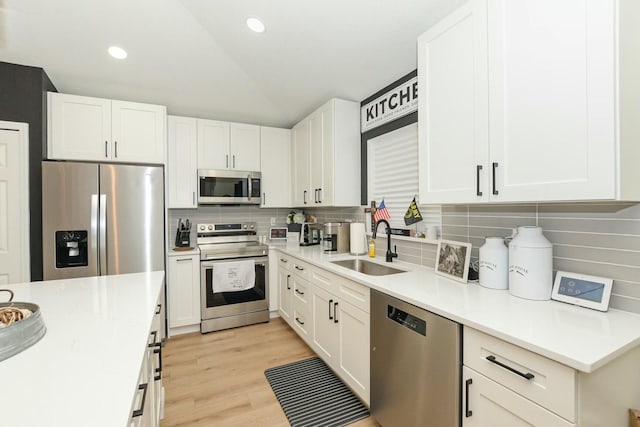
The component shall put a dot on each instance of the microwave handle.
(250, 186)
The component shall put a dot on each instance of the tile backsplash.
(600, 239)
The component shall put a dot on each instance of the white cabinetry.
(184, 292)
(275, 148)
(182, 163)
(326, 160)
(506, 385)
(224, 145)
(500, 126)
(96, 129)
(301, 317)
(285, 288)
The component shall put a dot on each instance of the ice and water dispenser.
(72, 249)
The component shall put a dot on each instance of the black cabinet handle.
(158, 351)
(330, 316)
(478, 169)
(304, 196)
(315, 195)
(139, 412)
(116, 144)
(288, 276)
(299, 292)
(106, 149)
(468, 412)
(319, 195)
(493, 175)
(335, 314)
(227, 161)
(528, 375)
(299, 321)
(299, 268)
(284, 260)
(158, 308)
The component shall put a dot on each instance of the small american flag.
(381, 213)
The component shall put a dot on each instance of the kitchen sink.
(367, 267)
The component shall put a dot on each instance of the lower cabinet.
(183, 273)
(148, 403)
(331, 314)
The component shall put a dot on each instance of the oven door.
(222, 304)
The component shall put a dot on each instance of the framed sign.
(453, 259)
(395, 103)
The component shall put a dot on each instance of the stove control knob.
(251, 226)
(202, 227)
(210, 227)
(244, 226)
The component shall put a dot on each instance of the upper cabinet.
(275, 148)
(529, 101)
(182, 163)
(96, 129)
(326, 156)
(224, 145)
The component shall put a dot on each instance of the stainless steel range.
(234, 276)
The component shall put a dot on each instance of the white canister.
(494, 264)
(530, 264)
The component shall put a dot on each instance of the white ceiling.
(199, 59)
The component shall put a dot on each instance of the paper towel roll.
(358, 239)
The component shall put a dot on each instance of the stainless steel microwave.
(228, 187)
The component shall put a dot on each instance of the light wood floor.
(217, 379)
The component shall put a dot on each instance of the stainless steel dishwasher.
(415, 365)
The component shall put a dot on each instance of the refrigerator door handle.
(102, 241)
(94, 225)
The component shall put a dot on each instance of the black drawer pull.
(478, 169)
(158, 351)
(330, 316)
(299, 268)
(283, 260)
(528, 375)
(299, 321)
(288, 286)
(158, 308)
(495, 166)
(299, 292)
(335, 314)
(139, 412)
(468, 412)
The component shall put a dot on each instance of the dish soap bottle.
(372, 248)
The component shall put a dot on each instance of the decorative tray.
(21, 334)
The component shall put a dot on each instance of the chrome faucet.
(390, 255)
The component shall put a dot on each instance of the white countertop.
(581, 338)
(182, 252)
(84, 371)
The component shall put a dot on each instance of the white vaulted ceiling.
(199, 58)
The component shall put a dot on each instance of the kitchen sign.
(397, 102)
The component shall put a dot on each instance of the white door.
(452, 108)
(300, 165)
(490, 404)
(184, 291)
(552, 109)
(79, 127)
(182, 163)
(275, 146)
(14, 203)
(213, 144)
(138, 132)
(245, 147)
(325, 331)
(353, 329)
(316, 143)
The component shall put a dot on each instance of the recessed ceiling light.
(255, 25)
(117, 52)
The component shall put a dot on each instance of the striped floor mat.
(312, 396)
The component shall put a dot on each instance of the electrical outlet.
(273, 220)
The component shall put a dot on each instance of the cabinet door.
(79, 127)
(275, 146)
(213, 144)
(184, 291)
(138, 132)
(353, 332)
(316, 147)
(245, 147)
(300, 165)
(490, 404)
(182, 162)
(285, 292)
(325, 330)
(552, 110)
(452, 106)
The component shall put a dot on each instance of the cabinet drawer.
(301, 320)
(299, 268)
(345, 289)
(285, 262)
(550, 384)
(301, 293)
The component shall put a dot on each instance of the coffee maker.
(336, 237)
(310, 234)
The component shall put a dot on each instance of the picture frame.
(592, 292)
(453, 260)
(278, 233)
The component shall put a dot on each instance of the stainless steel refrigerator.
(101, 219)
